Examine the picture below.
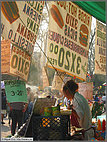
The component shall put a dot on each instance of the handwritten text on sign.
(20, 63)
(100, 48)
(15, 91)
(68, 38)
(20, 22)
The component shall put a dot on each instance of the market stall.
(68, 45)
(47, 122)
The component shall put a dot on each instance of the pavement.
(5, 128)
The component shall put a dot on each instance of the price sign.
(68, 38)
(15, 91)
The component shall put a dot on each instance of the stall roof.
(95, 8)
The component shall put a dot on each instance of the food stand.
(49, 122)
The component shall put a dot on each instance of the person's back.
(81, 106)
(17, 112)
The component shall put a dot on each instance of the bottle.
(99, 125)
(103, 125)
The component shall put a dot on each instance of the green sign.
(15, 91)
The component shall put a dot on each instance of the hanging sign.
(86, 89)
(58, 80)
(68, 38)
(20, 21)
(5, 56)
(100, 48)
(15, 91)
(20, 63)
(45, 78)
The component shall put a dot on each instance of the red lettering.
(84, 17)
(71, 21)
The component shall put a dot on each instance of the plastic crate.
(50, 127)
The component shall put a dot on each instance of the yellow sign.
(68, 38)
(20, 63)
(20, 22)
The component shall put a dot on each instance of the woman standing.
(3, 111)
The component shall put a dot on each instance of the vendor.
(81, 110)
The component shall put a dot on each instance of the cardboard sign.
(45, 78)
(58, 81)
(86, 89)
(40, 103)
(5, 56)
(20, 63)
(68, 38)
(15, 91)
(20, 22)
(100, 48)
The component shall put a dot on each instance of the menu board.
(68, 38)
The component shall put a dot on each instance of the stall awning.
(95, 8)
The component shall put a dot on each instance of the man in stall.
(81, 115)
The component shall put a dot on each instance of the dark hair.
(48, 96)
(71, 86)
(28, 88)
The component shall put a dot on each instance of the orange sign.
(5, 56)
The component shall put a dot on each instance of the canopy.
(95, 8)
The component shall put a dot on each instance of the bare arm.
(9, 106)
